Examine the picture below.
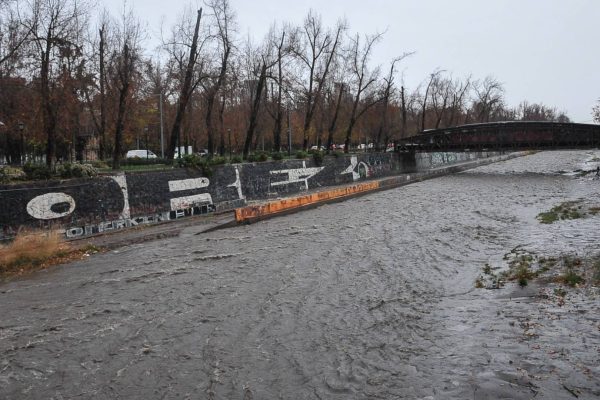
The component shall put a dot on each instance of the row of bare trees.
(68, 81)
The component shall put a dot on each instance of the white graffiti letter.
(122, 182)
(40, 207)
(184, 202)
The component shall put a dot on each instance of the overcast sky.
(544, 51)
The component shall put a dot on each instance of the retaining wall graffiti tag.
(296, 175)
(442, 158)
(185, 202)
(121, 180)
(107, 226)
(357, 169)
(51, 206)
(238, 184)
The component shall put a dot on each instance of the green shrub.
(236, 160)
(259, 156)
(37, 171)
(68, 170)
(146, 161)
(301, 154)
(100, 164)
(318, 157)
(217, 160)
(194, 161)
(8, 174)
(277, 155)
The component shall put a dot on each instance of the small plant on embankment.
(31, 251)
(300, 154)
(522, 267)
(566, 270)
(572, 275)
(563, 211)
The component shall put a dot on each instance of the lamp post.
(229, 135)
(146, 145)
(4, 154)
(289, 134)
(162, 146)
(21, 126)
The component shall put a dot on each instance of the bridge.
(511, 135)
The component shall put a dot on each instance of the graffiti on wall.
(180, 203)
(51, 206)
(375, 165)
(238, 184)
(107, 226)
(438, 159)
(357, 169)
(296, 175)
(119, 200)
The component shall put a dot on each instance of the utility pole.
(289, 135)
(162, 146)
(229, 134)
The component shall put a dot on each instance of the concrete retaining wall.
(85, 207)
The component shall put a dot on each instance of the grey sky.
(542, 50)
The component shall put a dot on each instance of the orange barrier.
(247, 214)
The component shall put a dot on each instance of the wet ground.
(370, 298)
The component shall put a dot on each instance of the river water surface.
(370, 298)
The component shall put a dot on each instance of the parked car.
(140, 154)
(318, 148)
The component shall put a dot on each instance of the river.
(370, 298)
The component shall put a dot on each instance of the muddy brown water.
(370, 298)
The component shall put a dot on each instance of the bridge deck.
(517, 135)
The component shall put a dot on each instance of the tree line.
(69, 82)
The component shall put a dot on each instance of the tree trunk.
(333, 124)
(186, 92)
(125, 74)
(102, 130)
(49, 115)
(222, 127)
(255, 110)
(403, 134)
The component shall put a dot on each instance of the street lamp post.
(146, 145)
(21, 129)
(229, 135)
(289, 135)
(162, 146)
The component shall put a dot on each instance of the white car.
(140, 154)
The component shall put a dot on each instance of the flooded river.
(370, 298)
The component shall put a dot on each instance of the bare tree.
(124, 64)
(489, 95)
(223, 20)
(256, 101)
(363, 81)
(387, 94)
(432, 78)
(54, 33)
(596, 112)
(14, 34)
(316, 49)
(191, 79)
(460, 90)
(99, 51)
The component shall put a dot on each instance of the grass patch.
(563, 211)
(32, 250)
